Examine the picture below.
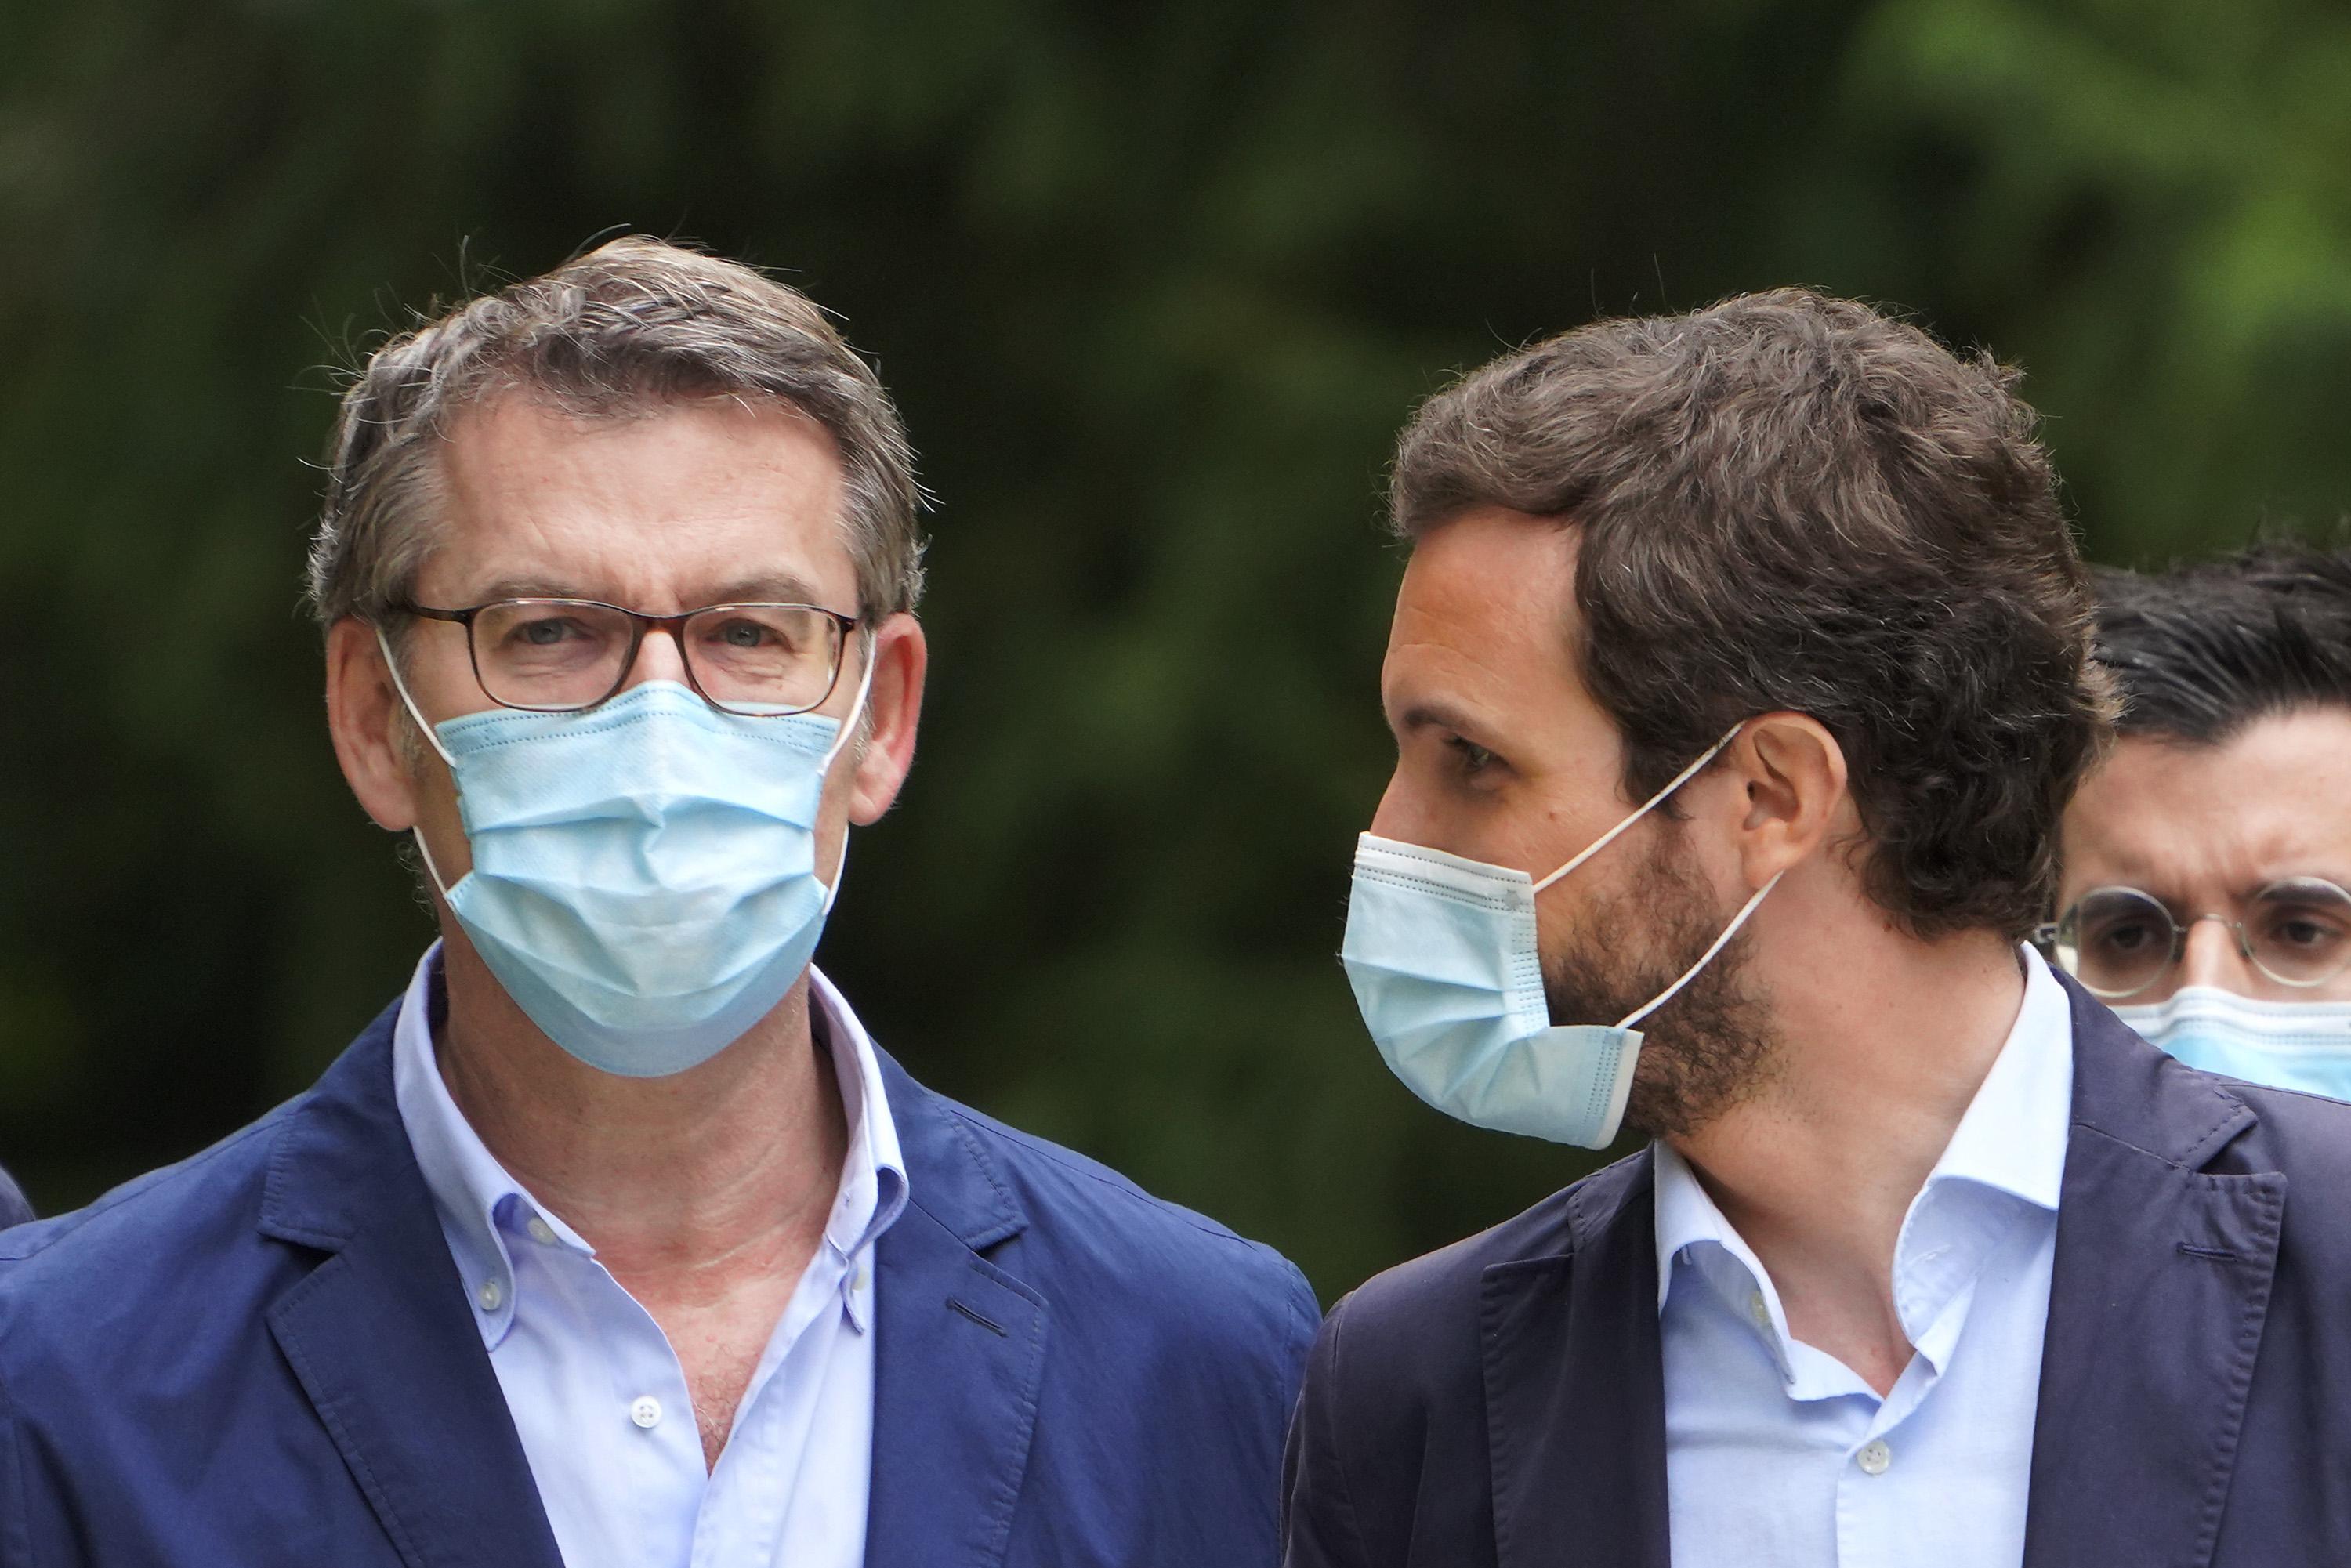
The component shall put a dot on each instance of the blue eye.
(546, 632)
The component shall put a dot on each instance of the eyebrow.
(2165, 890)
(778, 588)
(1435, 713)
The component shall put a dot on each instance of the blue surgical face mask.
(1441, 953)
(644, 880)
(2287, 1045)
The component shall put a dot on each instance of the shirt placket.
(650, 1410)
(749, 1500)
(1945, 1242)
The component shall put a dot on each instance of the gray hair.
(633, 326)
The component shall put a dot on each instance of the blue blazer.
(1501, 1404)
(264, 1356)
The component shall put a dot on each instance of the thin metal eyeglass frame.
(640, 623)
(2044, 936)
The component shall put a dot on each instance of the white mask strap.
(431, 739)
(1721, 942)
(1679, 779)
(408, 702)
(840, 870)
(856, 713)
(847, 727)
(430, 869)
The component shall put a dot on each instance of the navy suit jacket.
(264, 1356)
(1501, 1404)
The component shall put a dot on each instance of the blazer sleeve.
(14, 1210)
(17, 1521)
(1318, 1512)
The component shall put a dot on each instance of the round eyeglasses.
(2118, 941)
(561, 655)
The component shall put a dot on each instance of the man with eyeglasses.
(2205, 859)
(616, 1241)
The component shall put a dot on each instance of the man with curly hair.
(1739, 676)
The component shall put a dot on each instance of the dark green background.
(1155, 284)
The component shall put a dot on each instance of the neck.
(1873, 1073)
(727, 1168)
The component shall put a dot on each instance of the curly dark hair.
(1790, 502)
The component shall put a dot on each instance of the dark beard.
(1710, 1049)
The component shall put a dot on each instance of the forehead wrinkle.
(701, 495)
(1439, 660)
(1480, 606)
(763, 588)
(774, 587)
(2183, 823)
(1418, 696)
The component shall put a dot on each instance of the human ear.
(1791, 775)
(363, 718)
(894, 707)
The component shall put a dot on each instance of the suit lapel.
(2156, 1310)
(2156, 1306)
(959, 1353)
(379, 1335)
(1575, 1390)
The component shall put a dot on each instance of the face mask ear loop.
(1679, 779)
(431, 739)
(856, 716)
(840, 871)
(1721, 942)
(409, 703)
(430, 869)
(847, 727)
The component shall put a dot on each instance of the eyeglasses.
(562, 655)
(2118, 941)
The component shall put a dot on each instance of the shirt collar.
(2011, 1137)
(873, 1173)
(1685, 1216)
(478, 1201)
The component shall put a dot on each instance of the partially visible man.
(1738, 677)
(615, 1240)
(2207, 858)
(14, 1208)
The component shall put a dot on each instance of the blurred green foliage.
(1155, 285)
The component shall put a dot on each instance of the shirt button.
(1873, 1458)
(490, 1295)
(1759, 1309)
(646, 1411)
(541, 1231)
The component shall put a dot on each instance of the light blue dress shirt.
(1779, 1456)
(598, 1394)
